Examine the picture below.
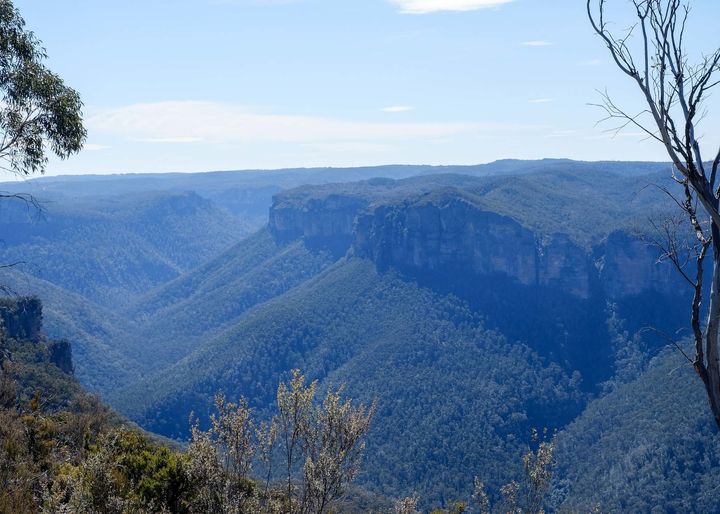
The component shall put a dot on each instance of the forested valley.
(473, 334)
(518, 337)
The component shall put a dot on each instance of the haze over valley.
(421, 287)
(520, 316)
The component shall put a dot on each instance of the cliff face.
(628, 266)
(22, 322)
(448, 230)
(22, 318)
(325, 222)
(455, 233)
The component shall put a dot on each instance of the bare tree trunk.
(652, 53)
(710, 375)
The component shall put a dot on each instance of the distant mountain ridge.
(474, 306)
(457, 222)
(419, 277)
(149, 230)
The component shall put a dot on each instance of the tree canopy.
(37, 110)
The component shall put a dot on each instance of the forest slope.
(111, 248)
(407, 358)
(184, 314)
(648, 446)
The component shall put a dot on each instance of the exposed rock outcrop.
(326, 222)
(22, 318)
(451, 229)
(22, 321)
(61, 355)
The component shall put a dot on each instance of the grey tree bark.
(653, 54)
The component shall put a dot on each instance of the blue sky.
(196, 85)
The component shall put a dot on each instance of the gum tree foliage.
(326, 441)
(675, 81)
(319, 445)
(528, 496)
(37, 110)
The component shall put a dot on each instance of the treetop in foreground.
(37, 110)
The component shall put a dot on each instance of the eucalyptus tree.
(38, 112)
(674, 83)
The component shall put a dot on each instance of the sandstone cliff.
(448, 228)
(21, 320)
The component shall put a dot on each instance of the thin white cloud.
(430, 6)
(536, 42)
(632, 134)
(396, 108)
(251, 2)
(591, 62)
(614, 134)
(561, 133)
(541, 100)
(213, 122)
(94, 147)
(170, 140)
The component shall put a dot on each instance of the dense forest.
(516, 337)
(62, 450)
(465, 345)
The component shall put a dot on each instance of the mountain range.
(472, 303)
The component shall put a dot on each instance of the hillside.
(185, 313)
(650, 445)
(109, 249)
(473, 308)
(428, 272)
(406, 358)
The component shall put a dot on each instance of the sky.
(201, 85)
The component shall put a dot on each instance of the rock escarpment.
(451, 229)
(629, 266)
(326, 222)
(21, 320)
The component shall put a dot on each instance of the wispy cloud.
(536, 42)
(170, 140)
(561, 133)
(541, 100)
(397, 108)
(591, 62)
(430, 6)
(94, 147)
(251, 2)
(632, 134)
(214, 122)
(614, 134)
